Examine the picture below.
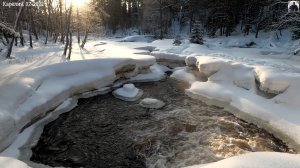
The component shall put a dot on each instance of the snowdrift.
(257, 160)
(260, 94)
(6, 162)
(31, 94)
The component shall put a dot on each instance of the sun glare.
(80, 2)
(77, 3)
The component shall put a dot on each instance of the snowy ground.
(40, 79)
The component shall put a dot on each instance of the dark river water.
(105, 132)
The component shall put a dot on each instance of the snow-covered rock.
(209, 65)
(273, 81)
(157, 72)
(183, 75)
(191, 61)
(128, 93)
(6, 162)
(152, 103)
(256, 160)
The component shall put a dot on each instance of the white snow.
(233, 83)
(6, 162)
(128, 91)
(39, 79)
(138, 38)
(30, 93)
(157, 73)
(152, 103)
(256, 160)
(14, 149)
(183, 75)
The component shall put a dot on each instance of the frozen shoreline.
(231, 80)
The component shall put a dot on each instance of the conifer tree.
(197, 33)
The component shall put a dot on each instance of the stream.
(106, 132)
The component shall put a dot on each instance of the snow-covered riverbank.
(241, 77)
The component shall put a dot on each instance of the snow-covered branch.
(8, 31)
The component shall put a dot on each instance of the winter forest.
(56, 19)
(150, 83)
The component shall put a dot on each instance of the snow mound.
(257, 160)
(209, 65)
(274, 81)
(152, 103)
(191, 61)
(128, 93)
(163, 55)
(6, 162)
(157, 73)
(183, 75)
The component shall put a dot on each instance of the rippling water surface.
(106, 132)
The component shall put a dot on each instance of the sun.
(77, 3)
(80, 3)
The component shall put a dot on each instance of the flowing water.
(106, 132)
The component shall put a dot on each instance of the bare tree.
(8, 54)
(70, 46)
(68, 29)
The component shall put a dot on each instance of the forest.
(59, 20)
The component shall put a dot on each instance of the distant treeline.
(218, 17)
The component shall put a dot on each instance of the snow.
(183, 75)
(152, 103)
(8, 30)
(190, 61)
(257, 160)
(233, 83)
(6, 162)
(138, 38)
(31, 92)
(157, 73)
(273, 81)
(13, 150)
(259, 84)
(128, 93)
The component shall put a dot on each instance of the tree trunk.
(70, 46)
(30, 36)
(68, 31)
(55, 37)
(84, 40)
(16, 41)
(78, 33)
(33, 27)
(258, 25)
(66, 46)
(9, 50)
(48, 21)
(257, 30)
(161, 20)
(6, 38)
(62, 38)
(21, 34)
